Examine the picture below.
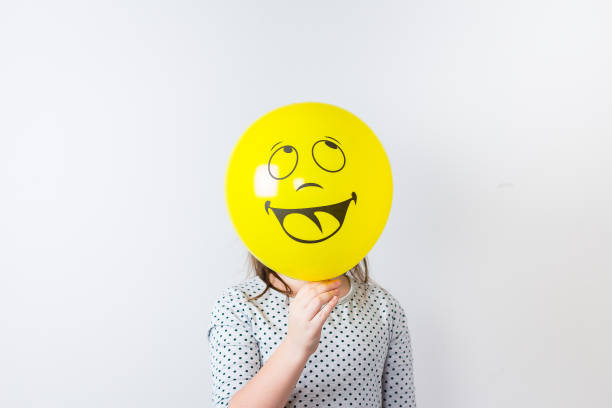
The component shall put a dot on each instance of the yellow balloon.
(309, 190)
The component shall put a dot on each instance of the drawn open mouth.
(290, 219)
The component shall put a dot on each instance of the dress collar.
(349, 295)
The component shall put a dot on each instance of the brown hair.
(358, 272)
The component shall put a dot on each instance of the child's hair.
(358, 272)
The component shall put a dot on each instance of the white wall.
(116, 124)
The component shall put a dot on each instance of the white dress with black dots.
(364, 358)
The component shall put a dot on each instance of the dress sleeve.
(234, 352)
(398, 377)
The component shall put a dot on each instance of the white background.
(116, 123)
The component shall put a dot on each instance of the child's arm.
(398, 375)
(273, 384)
(234, 352)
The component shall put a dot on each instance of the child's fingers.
(314, 306)
(309, 291)
(322, 316)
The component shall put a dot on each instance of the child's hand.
(306, 318)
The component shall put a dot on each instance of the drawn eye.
(328, 156)
(282, 162)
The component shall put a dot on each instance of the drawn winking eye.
(282, 162)
(328, 155)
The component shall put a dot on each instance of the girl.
(276, 341)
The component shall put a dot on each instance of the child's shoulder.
(242, 291)
(376, 295)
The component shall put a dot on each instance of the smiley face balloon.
(309, 190)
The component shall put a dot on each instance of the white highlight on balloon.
(265, 185)
(297, 182)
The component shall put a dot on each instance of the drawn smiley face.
(329, 156)
(292, 189)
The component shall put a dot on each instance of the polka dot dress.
(364, 358)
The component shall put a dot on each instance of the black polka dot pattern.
(364, 358)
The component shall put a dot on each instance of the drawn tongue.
(329, 218)
(312, 217)
(337, 211)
